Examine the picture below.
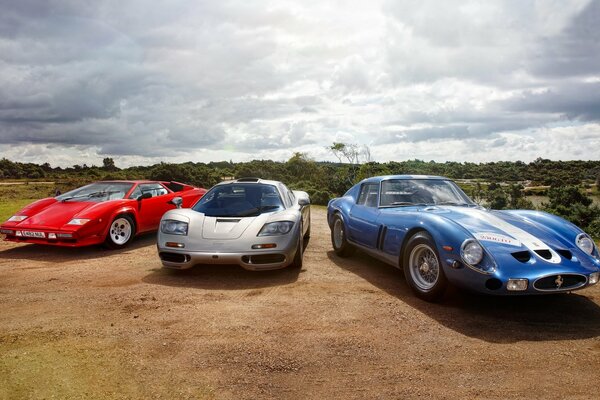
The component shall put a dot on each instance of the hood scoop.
(224, 228)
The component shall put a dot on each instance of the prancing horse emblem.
(558, 281)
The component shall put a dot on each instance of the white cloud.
(208, 81)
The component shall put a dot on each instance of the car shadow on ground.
(497, 319)
(222, 277)
(40, 252)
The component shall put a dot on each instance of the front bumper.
(559, 278)
(53, 237)
(179, 259)
(231, 252)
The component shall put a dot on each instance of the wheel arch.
(130, 212)
(413, 231)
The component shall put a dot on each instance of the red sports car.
(109, 212)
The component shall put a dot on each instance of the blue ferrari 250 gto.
(430, 228)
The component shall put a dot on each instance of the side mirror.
(303, 202)
(146, 195)
(176, 201)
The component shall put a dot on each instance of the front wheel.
(338, 238)
(297, 262)
(423, 269)
(120, 232)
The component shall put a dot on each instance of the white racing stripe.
(528, 240)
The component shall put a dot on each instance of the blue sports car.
(430, 228)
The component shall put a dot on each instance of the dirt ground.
(92, 323)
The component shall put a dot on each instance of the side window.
(287, 198)
(136, 193)
(155, 189)
(368, 195)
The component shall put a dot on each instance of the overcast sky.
(176, 81)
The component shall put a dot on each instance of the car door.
(362, 223)
(152, 204)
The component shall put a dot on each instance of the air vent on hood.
(522, 256)
(565, 253)
(545, 254)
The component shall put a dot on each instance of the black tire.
(120, 232)
(297, 262)
(307, 234)
(338, 238)
(423, 268)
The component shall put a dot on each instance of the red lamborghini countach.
(109, 212)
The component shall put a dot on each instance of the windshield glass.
(97, 192)
(407, 192)
(240, 200)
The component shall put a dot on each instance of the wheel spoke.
(424, 267)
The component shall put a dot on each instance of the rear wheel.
(120, 232)
(338, 238)
(423, 269)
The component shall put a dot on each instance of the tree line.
(498, 185)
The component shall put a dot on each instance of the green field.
(13, 197)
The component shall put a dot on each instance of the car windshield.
(240, 200)
(409, 192)
(97, 192)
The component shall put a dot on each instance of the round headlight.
(585, 243)
(471, 252)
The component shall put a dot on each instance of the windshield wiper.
(404, 204)
(454, 203)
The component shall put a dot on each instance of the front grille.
(560, 282)
(264, 259)
(522, 256)
(174, 257)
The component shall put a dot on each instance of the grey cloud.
(425, 134)
(571, 100)
(574, 51)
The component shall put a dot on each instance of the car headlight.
(585, 243)
(471, 252)
(172, 227)
(78, 221)
(276, 228)
(17, 218)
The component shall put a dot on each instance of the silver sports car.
(255, 223)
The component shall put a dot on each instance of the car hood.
(54, 215)
(206, 227)
(57, 213)
(506, 230)
(225, 227)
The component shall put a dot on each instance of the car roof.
(251, 181)
(127, 181)
(378, 179)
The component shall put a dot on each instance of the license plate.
(33, 234)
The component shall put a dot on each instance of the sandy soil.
(93, 323)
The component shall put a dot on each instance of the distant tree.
(570, 203)
(351, 154)
(497, 199)
(108, 164)
(517, 200)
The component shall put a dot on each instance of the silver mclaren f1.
(255, 223)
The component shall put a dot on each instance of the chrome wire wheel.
(424, 267)
(120, 231)
(339, 241)
(338, 233)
